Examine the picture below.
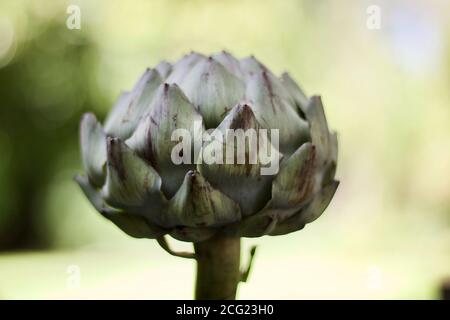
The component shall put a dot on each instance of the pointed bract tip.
(77, 178)
(192, 173)
(242, 117)
(285, 75)
(88, 116)
(245, 109)
(111, 143)
(316, 99)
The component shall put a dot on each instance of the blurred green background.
(386, 91)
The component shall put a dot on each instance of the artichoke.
(131, 178)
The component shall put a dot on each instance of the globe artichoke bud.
(151, 171)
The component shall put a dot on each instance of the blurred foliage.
(43, 90)
(385, 91)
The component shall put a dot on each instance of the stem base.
(218, 273)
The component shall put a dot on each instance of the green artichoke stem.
(218, 274)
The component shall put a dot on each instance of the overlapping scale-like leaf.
(131, 183)
(295, 91)
(133, 225)
(251, 66)
(198, 204)
(309, 213)
(320, 202)
(164, 68)
(93, 148)
(276, 221)
(230, 63)
(294, 183)
(239, 176)
(333, 147)
(256, 225)
(329, 171)
(319, 130)
(291, 189)
(131, 107)
(274, 108)
(114, 119)
(182, 68)
(213, 90)
(153, 140)
(326, 142)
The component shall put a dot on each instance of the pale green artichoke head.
(132, 180)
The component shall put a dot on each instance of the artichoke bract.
(131, 178)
